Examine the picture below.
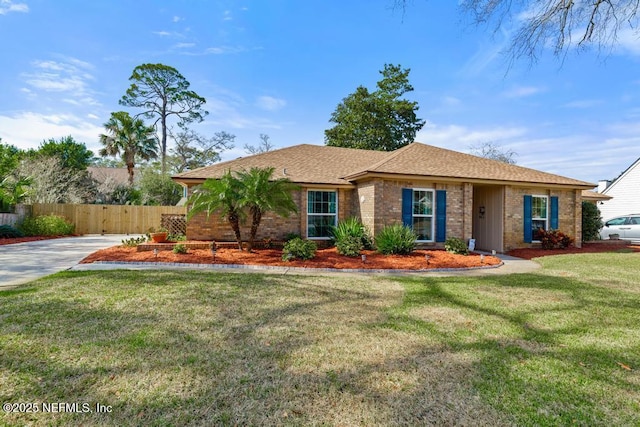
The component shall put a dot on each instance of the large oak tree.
(379, 120)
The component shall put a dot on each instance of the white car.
(626, 227)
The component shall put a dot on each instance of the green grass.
(198, 348)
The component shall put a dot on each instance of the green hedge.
(46, 225)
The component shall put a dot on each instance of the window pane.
(321, 202)
(422, 202)
(617, 221)
(536, 225)
(320, 225)
(539, 207)
(422, 227)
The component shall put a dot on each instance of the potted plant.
(159, 236)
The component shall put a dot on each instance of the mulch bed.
(325, 258)
(590, 247)
(12, 240)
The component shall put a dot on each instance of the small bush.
(456, 246)
(7, 232)
(46, 225)
(179, 237)
(299, 249)
(349, 246)
(134, 241)
(351, 236)
(396, 239)
(552, 239)
(180, 249)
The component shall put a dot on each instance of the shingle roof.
(304, 164)
(427, 160)
(334, 165)
(594, 196)
(100, 174)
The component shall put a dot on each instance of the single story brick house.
(439, 193)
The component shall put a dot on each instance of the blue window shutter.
(441, 216)
(407, 207)
(554, 213)
(528, 231)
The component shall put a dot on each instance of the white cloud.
(70, 76)
(177, 19)
(7, 6)
(219, 50)
(27, 130)
(460, 138)
(628, 42)
(171, 34)
(227, 16)
(184, 45)
(522, 91)
(270, 103)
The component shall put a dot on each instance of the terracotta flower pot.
(159, 237)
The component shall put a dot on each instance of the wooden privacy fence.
(109, 219)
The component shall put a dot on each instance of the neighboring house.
(625, 193)
(439, 193)
(108, 180)
(117, 176)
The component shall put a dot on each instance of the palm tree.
(129, 138)
(220, 195)
(261, 193)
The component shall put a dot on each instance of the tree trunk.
(130, 167)
(234, 220)
(163, 122)
(256, 216)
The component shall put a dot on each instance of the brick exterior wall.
(569, 214)
(459, 205)
(272, 226)
(378, 203)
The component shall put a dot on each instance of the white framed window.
(322, 213)
(423, 214)
(539, 215)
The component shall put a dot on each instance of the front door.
(488, 218)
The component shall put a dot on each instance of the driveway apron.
(23, 262)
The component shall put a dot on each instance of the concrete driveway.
(24, 262)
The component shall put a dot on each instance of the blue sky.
(280, 67)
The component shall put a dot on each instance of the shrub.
(396, 239)
(7, 232)
(349, 246)
(299, 249)
(591, 222)
(456, 246)
(180, 249)
(132, 242)
(178, 237)
(551, 239)
(351, 236)
(46, 225)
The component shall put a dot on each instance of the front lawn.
(558, 347)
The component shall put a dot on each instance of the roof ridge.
(392, 154)
(237, 158)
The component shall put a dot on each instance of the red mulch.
(325, 258)
(12, 240)
(591, 247)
